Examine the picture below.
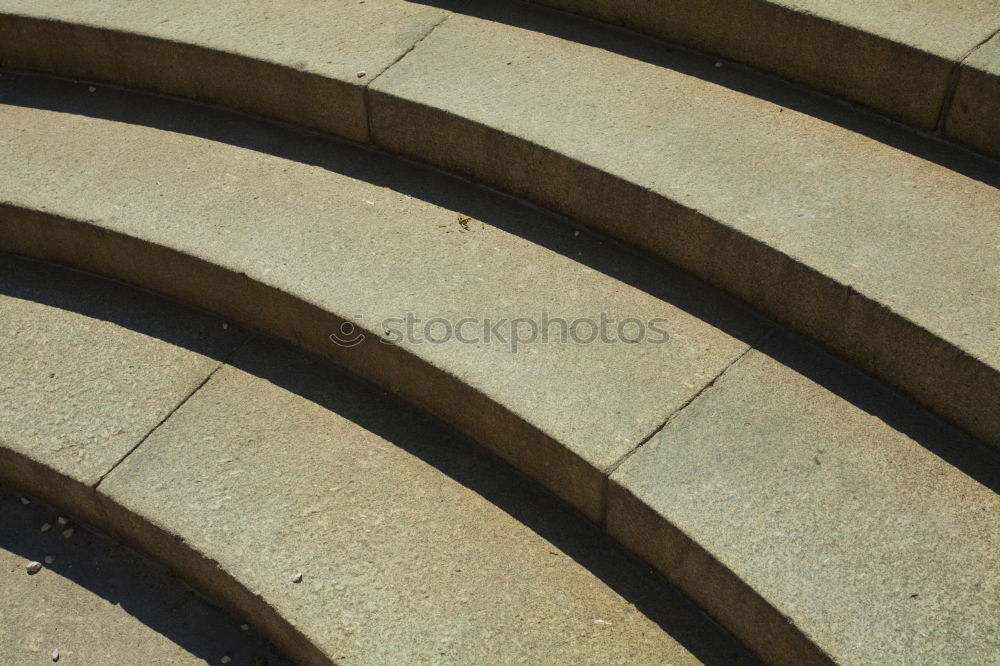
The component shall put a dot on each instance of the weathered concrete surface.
(292, 234)
(98, 604)
(892, 55)
(70, 416)
(796, 488)
(298, 61)
(408, 539)
(974, 115)
(887, 256)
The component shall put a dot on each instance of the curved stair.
(875, 241)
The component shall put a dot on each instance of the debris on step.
(33, 568)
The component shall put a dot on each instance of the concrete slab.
(298, 62)
(293, 234)
(99, 604)
(412, 545)
(890, 257)
(89, 369)
(893, 55)
(973, 117)
(797, 497)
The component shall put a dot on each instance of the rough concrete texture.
(974, 115)
(887, 250)
(797, 487)
(413, 546)
(73, 415)
(99, 604)
(892, 55)
(298, 61)
(276, 213)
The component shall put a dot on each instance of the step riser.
(938, 375)
(234, 296)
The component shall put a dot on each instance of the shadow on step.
(44, 610)
(405, 427)
(360, 163)
(738, 78)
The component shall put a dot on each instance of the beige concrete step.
(97, 603)
(898, 57)
(874, 241)
(339, 523)
(289, 232)
(300, 236)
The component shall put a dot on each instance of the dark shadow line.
(142, 588)
(736, 77)
(404, 426)
(658, 279)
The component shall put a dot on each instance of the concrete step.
(903, 59)
(294, 234)
(97, 603)
(877, 242)
(342, 525)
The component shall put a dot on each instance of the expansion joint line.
(368, 84)
(673, 415)
(225, 361)
(952, 85)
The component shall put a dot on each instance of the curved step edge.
(193, 281)
(91, 506)
(936, 373)
(908, 82)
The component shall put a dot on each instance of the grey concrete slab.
(797, 497)
(81, 379)
(97, 603)
(299, 61)
(293, 234)
(413, 546)
(888, 256)
(893, 55)
(972, 116)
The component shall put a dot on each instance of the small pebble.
(245, 627)
(67, 533)
(362, 74)
(226, 659)
(33, 567)
(225, 326)
(92, 89)
(55, 655)
(25, 501)
(49, 559)
(297, 578)
(46, 527)
(718, 65)
(62, 520)
(576, 232)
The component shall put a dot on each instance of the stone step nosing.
(956, 386)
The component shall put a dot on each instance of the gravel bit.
(62, 520)
(245, 627)
(50, 559)
(226, 659)
(46, 527)
(55, 655)
(67, 533)
(33, 568)
(297, 578)
(25, 501)
(362, 74)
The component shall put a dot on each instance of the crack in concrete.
(673, 416)
(183, 401)
(368, 84)
(952, 85)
